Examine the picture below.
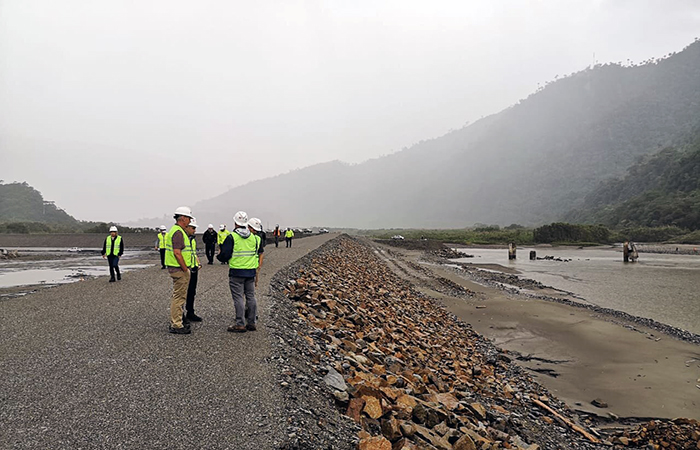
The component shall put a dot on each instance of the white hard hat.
(222, 226)
(162, 228)
(241, 218)
(112, 228)
(193, 223)
(255, 223)
(184, 211)
(211, 225)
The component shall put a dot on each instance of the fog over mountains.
(530, 164)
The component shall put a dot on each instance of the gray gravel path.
(91, 365)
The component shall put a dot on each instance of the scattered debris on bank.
(8, 254)
(405, 374)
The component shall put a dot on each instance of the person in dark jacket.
(194, 265)
(113, 249)
(210, 239)
(277, 233)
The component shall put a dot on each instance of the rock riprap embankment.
(412, 376)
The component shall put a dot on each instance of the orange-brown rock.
(464, 443)
(374, 443)
(355, 407)
(373, 407)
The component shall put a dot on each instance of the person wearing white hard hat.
(221, 237)
(242, 251)
(113, 249)
(160, 245)
(210, 238)
(288, 237)
(177, 246)
(255, 226)
(193, 263)
(277, 233)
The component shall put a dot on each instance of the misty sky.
(125, 109)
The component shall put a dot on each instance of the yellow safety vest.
(221, 236)
(161, 240)
(108, 245)
(170, 259)
(190, 253)
(245, 252)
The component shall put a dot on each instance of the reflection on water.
(51, 266)
(27, 277)
(662, 287)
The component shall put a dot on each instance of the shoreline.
(668, 330)
(640, 367)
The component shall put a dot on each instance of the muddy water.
(39, 267)
(662, 287)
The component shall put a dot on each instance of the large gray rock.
(335, 380)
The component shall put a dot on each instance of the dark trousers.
(210, 250)
(191, 292)
(277, 241)
(114, 266)
(162, 258)
(289, 241)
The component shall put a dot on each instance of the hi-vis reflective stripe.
(241, 254)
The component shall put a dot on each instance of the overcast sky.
(125, 109)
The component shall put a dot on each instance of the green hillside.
(529, 164)
(19, 202)
(23, 210)
(660, 190)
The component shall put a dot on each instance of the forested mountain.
(530, 164)
(661, 190)
(19, 202)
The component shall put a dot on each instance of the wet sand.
(578, 355)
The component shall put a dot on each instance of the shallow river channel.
(662, 287)
(52, 266)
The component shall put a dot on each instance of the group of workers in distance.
(242, 249)
(288, 236)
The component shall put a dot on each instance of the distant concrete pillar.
(511, 251)
(533, 255)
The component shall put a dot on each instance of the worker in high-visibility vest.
(193, 263)
(221, 237)
(160, 245)
(243, 251)
(288, 236)
(112, 250)
(177, 247)
(277, 233)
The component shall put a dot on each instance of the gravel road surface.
(92, 365)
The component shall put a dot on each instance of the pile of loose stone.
(402, 373)
(676, 434)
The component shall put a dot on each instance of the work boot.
(181, 330)
(112, 280)
(237, 329)
(193, 318)
(251, 327)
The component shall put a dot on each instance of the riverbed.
(662, 287)
(39, 267)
